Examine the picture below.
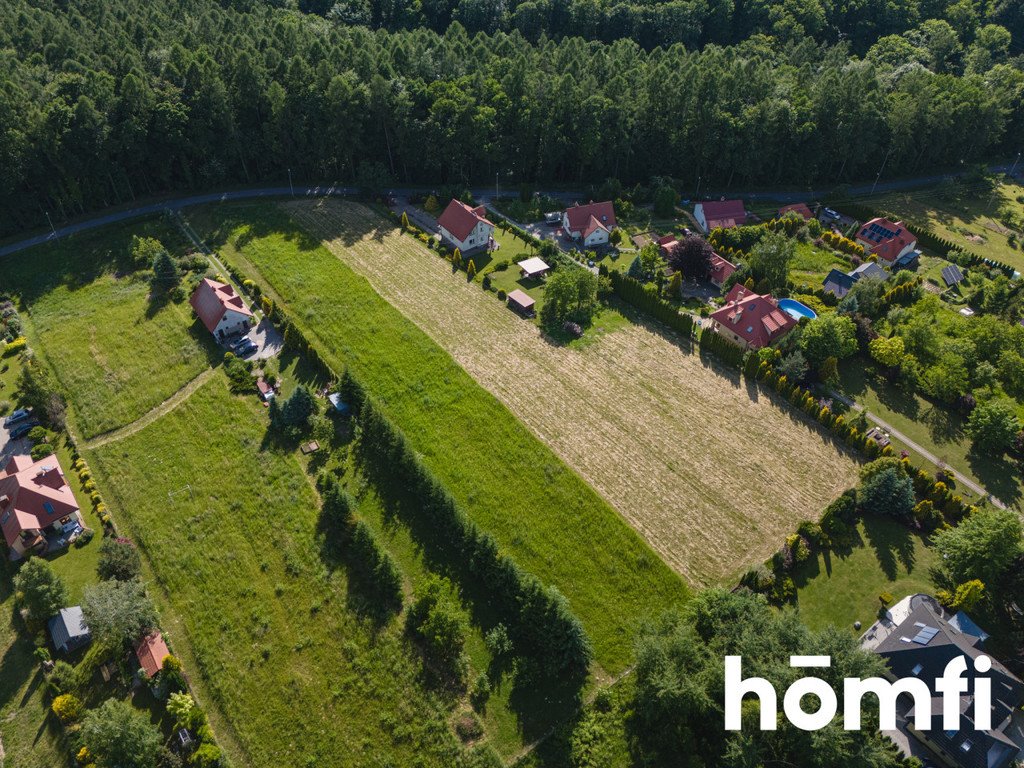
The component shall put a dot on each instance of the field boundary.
(149, 417)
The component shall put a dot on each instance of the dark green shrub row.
(542, 625)
(369, 561)
(715, 344)
(633, 292)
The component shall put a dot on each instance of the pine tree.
(405, 220)
(165, 272)
(470, 270)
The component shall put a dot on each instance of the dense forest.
(106, 101)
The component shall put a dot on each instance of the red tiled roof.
(721, 269)
(724, 213)
(754, 318)
(582, 218)
(885, 238)
(33, 495)
(800, 208)
(151, 652)
(211, 300)
(460, 219)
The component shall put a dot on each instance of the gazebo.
(533, 267)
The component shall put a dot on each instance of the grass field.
(106, 343)
(967, 218)
(812, 264)
(511, 485)
(630, 412)
(842, 587)
(301, 677)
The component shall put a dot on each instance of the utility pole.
(290, 182)
(48, 221)
(1014, 166)
(495, 185)
(880, 170)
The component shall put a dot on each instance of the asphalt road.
(481, 193)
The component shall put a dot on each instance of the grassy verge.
(116, 352)
(550, 521)
(842, 586)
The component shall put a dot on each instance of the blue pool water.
(796, 310)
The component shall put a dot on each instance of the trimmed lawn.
(964, 218)
(841, 587)
(811, 264)
(509, 482)
(935, 428)
(302, 678)
(118, 354)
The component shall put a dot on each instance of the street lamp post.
(292, 188)
(882, 168)
(1014, 166)
(50, 222)
(495, 185)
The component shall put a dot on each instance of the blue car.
(244, 350)
(19, 415)
(23, 429)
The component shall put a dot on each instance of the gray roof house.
(840, 283)
(68, 629)
(917, 637)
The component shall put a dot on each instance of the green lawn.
(962, 215)
(302, 678)
(512, 485)
(843, 586)
(120, 355)
(935, 428)
(811, 264)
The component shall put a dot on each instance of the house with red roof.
(800, 208)
(888, 240)
(222, 311)
(721, 269)
(38, 511)
(592, 224)
(751, 320)
(465, 227)
(720, 214)
(151, 652)
(666, 243)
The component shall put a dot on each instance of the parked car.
(240, 342)
(19, 415)
(23, 429)
(244, 350)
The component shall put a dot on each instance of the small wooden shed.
(521, 302)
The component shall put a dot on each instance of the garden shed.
(68, 629)
(521, 302)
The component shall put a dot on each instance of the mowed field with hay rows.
(508, 481)
(708, 469)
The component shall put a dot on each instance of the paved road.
(484, 194)
(893, 432)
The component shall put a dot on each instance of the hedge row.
(729, 353)
(545, 627)
(634, 293)
(14, 347)
(542, 625)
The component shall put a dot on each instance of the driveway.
(10, 447)
(267, 338)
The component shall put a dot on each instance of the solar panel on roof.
(952, 274)
(925, 635)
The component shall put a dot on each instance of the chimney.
(4, 501)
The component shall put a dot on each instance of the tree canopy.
(120, 736)
(983, 546)
(691, 257)
(92, 116)
(118, 611)
(41, 591)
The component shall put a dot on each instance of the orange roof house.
(666, 244)
(465, 227)
(222, 311)
(38, 510)
(151, 652)
(591, 223)
(886, 239)
(720, 213)
(800, 208)
(750, 319)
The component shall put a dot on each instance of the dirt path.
(145, 420)
(710, 473)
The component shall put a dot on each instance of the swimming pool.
(796, 310)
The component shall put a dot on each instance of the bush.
(119, 559)
(67, 708)
(40, 451)
(14, 347)
(84, 537)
